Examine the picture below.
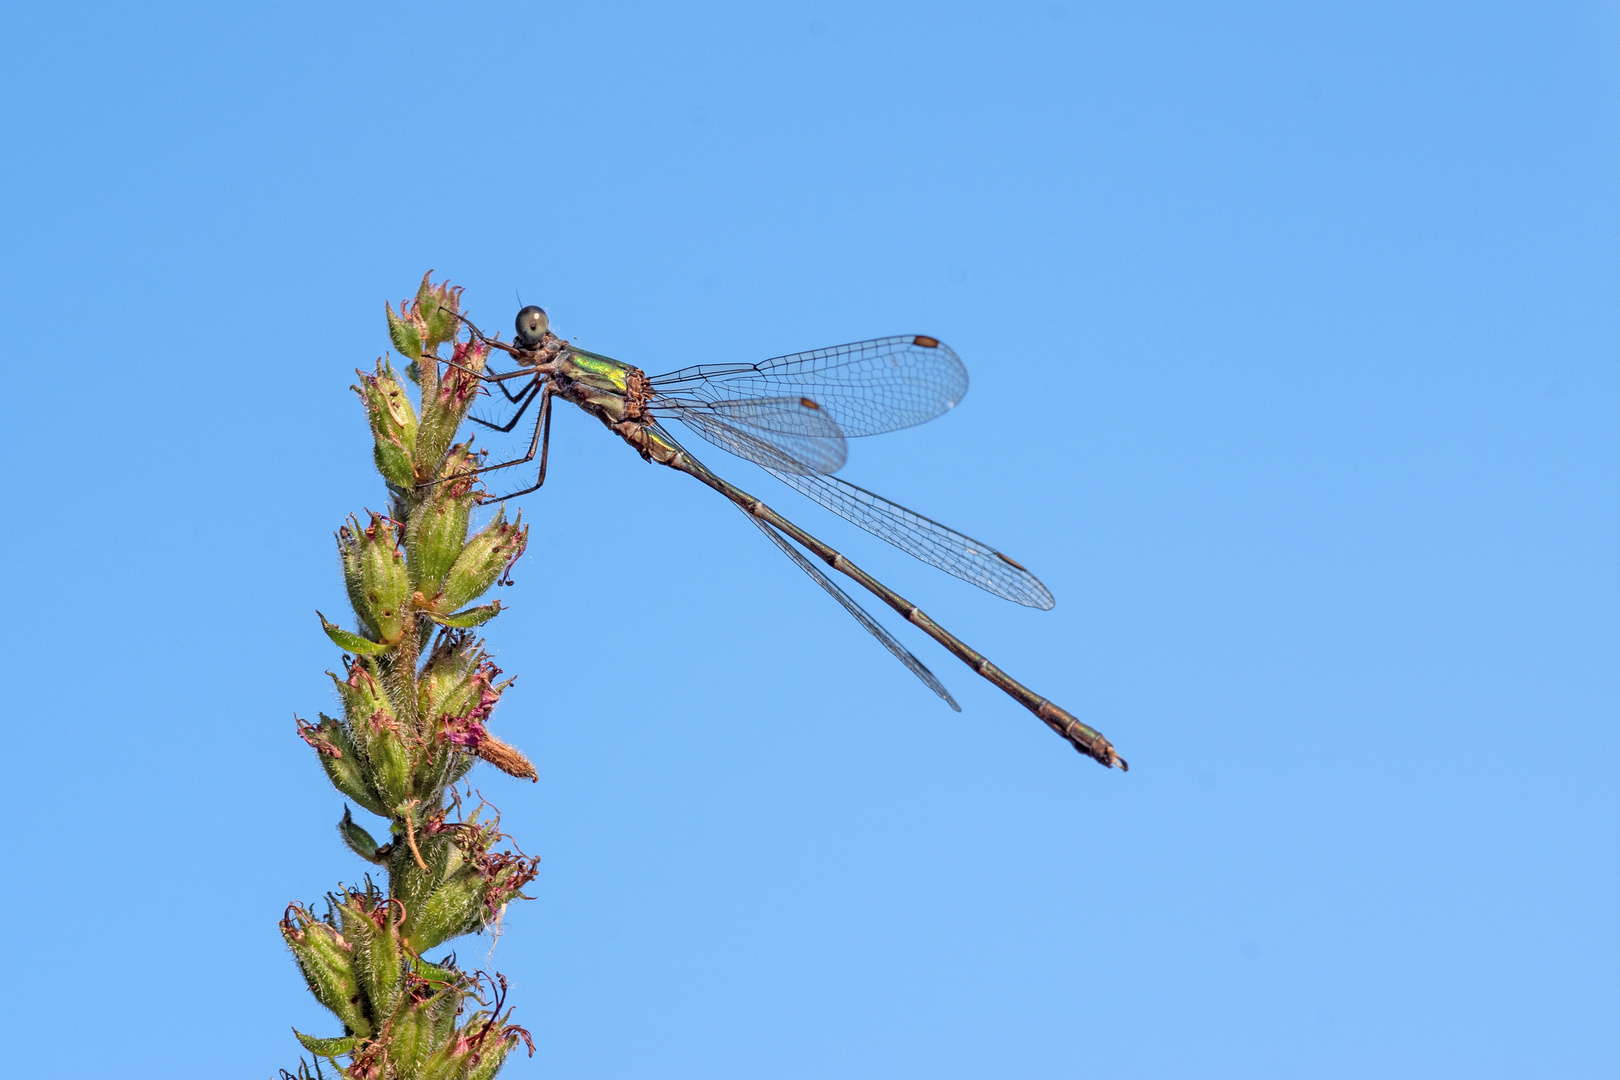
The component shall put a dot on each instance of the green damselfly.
(791, 416)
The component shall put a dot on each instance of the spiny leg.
(543, 431)
(527, 392)
(484, 377)
(543, 423)
(501, 386)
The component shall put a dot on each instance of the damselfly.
(791, 416)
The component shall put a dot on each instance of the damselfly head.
(532, 325)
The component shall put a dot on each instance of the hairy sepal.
(481, 563)
(343, 765)
(375, 576)
(326, 959)
(376, 733)
(439, 525)
(393, 425)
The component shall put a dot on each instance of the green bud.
(435, 768)
(442, 1015)
(429, 1017)
(460, 1059)
(375, 732)
(456, 692)
(482, 561)
(439, 526)
(372, 929)
(393, 424)
(348, 545)
(478, 1048)
(413, 884)
(363, 696)
(405, 333)
(460, 765)
(327, 961)
(454, 677)
(454, 908)
(436, 306)
(359, 841)
(410, 1039)
(492, 1051)
(474, 884)
(440, 766)
(446, 401)
(452, 1059)
(342, 762)
(376, 578)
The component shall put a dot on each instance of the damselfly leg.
(540, 440)
(792, 415)
(526, 397)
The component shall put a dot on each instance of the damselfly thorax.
(614, 392)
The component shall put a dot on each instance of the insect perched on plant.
(791, 416)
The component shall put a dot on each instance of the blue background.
(1292, 331)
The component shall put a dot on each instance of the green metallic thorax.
(596, 383)
(600, 372)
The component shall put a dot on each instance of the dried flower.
(411, 728)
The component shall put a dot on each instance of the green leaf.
(327, 1048)
(360, 842)
(461, 620)
(348, 642)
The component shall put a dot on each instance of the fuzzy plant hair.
(416, 693)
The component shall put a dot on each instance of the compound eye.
(532, 325)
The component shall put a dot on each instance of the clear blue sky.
(1292, 331)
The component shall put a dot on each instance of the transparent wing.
(874, 627)
(801, 462)
(866, 387)
(803, 453)
(797, 416)
(926, 539)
